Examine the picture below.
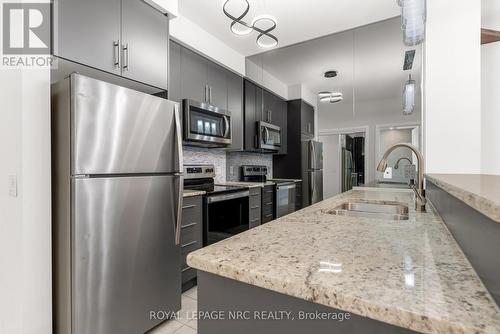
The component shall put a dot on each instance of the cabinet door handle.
(189, 244)
(125, 49)
(116, 53)
(210, 94)
(270, 116)
(206, 93)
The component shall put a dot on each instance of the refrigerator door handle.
(178, 223)
(312, 185)
(313, 155)
(178, 130)
(181, 179)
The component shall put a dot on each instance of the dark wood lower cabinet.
(255, 205)
(268, 204)
(191, 237)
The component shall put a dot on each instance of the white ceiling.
(297, 20)
(369, 60)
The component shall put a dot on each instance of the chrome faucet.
(420, 199)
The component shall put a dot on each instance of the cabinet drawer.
(190, 232)
(254, 213)
(268, 217)
(255, 191)
(191, 210)
(254, 222)
(188, 248)
(254, 202)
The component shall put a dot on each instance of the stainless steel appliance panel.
(285, 199)
(206, 125)
(269, 136)
(316, 186)
(125, 260)
(118, 130)
(315, 154)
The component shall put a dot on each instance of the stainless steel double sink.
(372, 209)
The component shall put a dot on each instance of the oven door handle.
(227, 127)
(226, 197)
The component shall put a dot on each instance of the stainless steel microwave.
(268, 136)
(206, 125)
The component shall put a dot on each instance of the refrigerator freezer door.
(312, 151)
(318, 155)
(316, 185)
(125, 261)
(117, 130)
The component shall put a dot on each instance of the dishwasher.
(285, 198)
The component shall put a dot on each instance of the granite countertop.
(246, 184)
(410, 273)
(482, 192)
(189, 193)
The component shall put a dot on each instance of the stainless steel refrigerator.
(312, 172)
(117, 200)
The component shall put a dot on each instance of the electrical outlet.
(13, 185)
(231, 170)
(388, 173)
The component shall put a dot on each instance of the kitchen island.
(390, 276)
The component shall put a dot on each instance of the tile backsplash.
(235, 159)
(227, 164)
(216, 157)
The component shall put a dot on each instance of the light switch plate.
(13, 185)
(388, 173)
(231, 170)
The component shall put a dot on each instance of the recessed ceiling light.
(331, 74)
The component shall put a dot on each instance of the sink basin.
(372, 209)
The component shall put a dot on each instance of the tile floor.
(181, 325)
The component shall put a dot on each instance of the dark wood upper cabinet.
(262, 105)
(307, 119)
(235, 106)
(174, 85)
(128, 38)
(195, 77)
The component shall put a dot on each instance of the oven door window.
(226, 218)
(270, 136)
(207, 123)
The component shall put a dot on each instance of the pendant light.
(413, 18)
(263, 25)
(409, 96)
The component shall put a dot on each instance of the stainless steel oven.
(206, 125)
(269, 136)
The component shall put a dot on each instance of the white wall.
(255, 71)
(490, 88)
(25, 237)
(452, 110)
(193, 36)
(490, 99)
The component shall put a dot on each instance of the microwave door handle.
(227, 127)
(267, 135)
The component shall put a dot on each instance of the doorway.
(344, 160)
